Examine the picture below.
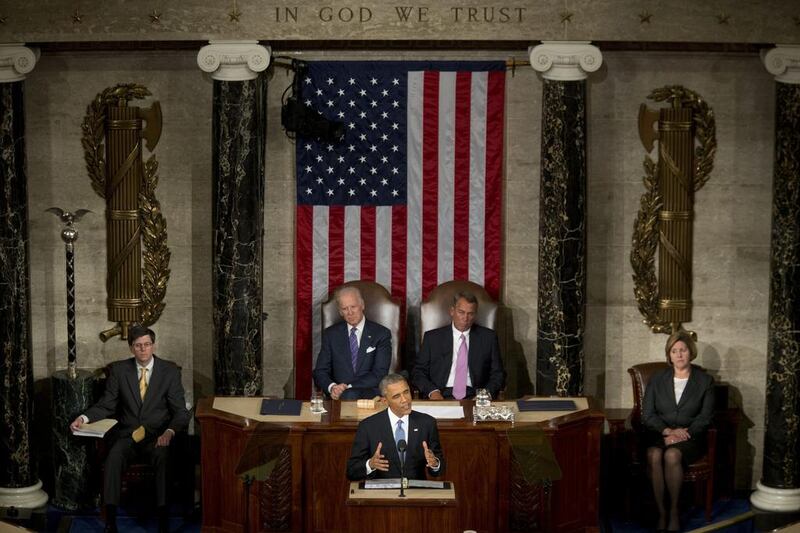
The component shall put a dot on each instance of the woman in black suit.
(677, 410)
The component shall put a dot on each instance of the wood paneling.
(308, 489)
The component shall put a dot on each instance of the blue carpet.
(55, 520)
(129, 524)
(694, 518)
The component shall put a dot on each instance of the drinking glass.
(316, 402)
(482, 398)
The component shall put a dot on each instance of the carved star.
(644, 18)
(76, 17)
(566, 16)
(723, 18)
(2, 19)
(234, 15)
(155, 17)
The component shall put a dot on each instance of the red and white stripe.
(450, 228)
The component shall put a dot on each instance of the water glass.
(316, 402)
(482, 398)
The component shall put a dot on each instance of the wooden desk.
(308, 490)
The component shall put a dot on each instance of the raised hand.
(430, 458)
(378, 461)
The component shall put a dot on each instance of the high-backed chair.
(701, 470)
(379, 306)
(434, 311)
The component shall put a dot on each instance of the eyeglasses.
(142, 345)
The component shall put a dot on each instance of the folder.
(546, 405)
(281, 407)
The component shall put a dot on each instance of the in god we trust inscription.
(409, 14)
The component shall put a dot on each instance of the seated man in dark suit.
(457, 359)
(375, 446)
(355, 354)
(145, 395)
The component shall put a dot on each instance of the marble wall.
(61, 86)
(731, 231)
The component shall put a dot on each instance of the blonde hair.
(687, 338)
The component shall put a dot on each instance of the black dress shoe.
(163, 525)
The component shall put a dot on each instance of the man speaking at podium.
(384, 439)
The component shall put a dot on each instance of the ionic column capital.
(565, 60)
(16, 61)
(783, 62)
(234, 60)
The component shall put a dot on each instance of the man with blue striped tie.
(377, 449)
(355, 354)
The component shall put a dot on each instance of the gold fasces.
(686, 135)
(137, 254)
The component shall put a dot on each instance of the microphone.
(402, 446)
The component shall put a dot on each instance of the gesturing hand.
(378, 461)
(430, 458)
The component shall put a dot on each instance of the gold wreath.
(156, 254)
(643, 250)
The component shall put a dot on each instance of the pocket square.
(370, 349)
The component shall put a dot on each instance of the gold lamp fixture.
(136, 231)
(686, 136)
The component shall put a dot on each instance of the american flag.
(410, 198)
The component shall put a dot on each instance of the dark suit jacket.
(695, 410)
(164, 404)
(377, 429)
(334, 364)
(435, 358)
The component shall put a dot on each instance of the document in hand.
(95, 429)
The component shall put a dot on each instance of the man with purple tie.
(355, 354)
(459, 358)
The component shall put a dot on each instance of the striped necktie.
(143, 383)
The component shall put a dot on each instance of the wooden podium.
(308, 492)
(382, 510)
